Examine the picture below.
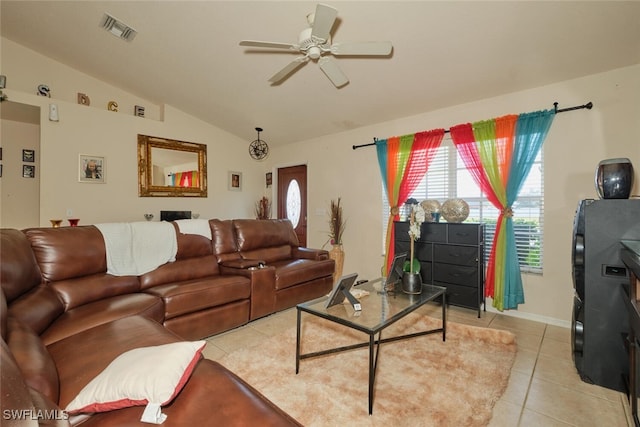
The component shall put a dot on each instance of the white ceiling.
(186, 54)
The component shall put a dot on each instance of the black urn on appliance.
(614, 178)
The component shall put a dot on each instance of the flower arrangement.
(263, 208)
(416, 218)
(336, 223)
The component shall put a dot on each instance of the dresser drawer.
(456, 274)
(468, 234)
(401, 231)
(401, 246)
(463, 296)
(426, 272)
(459, 255)
(422, 251)
(433, 232)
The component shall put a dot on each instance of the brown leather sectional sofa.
(64, 318)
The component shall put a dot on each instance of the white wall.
(578, 140)
(96, 131)
(576, 143)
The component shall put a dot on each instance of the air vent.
(117, 27)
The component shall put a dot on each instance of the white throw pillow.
(140, 376)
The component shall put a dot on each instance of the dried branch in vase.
(336, 223)
(263, 208)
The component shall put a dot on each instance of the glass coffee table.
(380, 309)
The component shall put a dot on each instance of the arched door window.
(293, 202)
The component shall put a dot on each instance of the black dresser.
(450, 255)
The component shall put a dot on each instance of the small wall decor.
(43, 90)
(235, 181)
(138, 111)
(3, 84)
(28, 156)
(112, 106)
(83, 99)
(53, 113)
(92, 169)
(269, 179)
(28, 171)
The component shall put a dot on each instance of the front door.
(292, 199)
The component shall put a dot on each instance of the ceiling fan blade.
(323, 21)
(273, 45)
(362, 48)
(331, 69)
(289, 68)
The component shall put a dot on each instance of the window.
(448, 178)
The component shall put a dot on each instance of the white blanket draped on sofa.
(195, 226)
(135, 248)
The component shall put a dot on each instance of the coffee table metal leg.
(372, 372)
(444, 317)
(298, 342)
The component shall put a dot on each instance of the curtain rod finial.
(588, 105)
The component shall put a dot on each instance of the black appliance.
(600, 321)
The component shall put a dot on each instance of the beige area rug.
(420, 382)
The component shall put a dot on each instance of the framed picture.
(235, 181)
(269, 179)
(92, 169)
(29, 156)
(28, 171)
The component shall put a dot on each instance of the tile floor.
(544, 387)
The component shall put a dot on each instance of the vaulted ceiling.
(186, 54)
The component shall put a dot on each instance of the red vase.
(73, 221)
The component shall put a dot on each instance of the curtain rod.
(588, 106)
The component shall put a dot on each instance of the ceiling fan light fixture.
(117, 28)
(314, 52)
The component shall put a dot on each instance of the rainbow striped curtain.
(499, 154)
(185, 179)
(403, 162)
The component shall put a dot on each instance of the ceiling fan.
(314, 43)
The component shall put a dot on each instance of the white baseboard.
(529, 316)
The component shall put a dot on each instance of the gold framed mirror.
(170, 168)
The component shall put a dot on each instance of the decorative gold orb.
(455, 210)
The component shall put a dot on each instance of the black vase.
(614, 178)
(412, 283)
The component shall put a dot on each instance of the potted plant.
(411, 280)
(336, 229)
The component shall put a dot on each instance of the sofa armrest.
(263, 287)
(213, 396)
(308, 253)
